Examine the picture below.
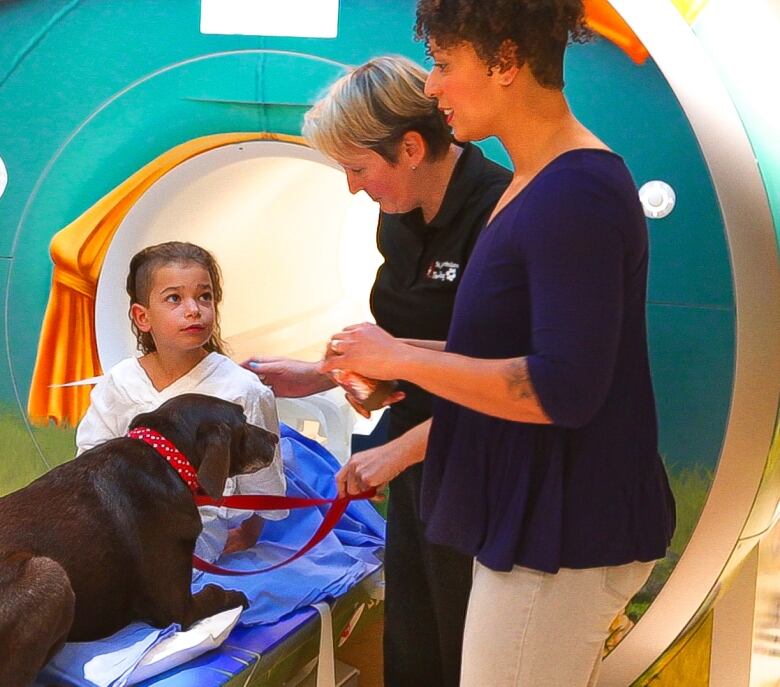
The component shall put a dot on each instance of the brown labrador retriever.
(107, 538)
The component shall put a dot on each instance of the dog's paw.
(236, 599)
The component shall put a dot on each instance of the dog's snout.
(260, 446)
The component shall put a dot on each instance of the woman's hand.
(360, 410)
(366, 349)
(374, 467)
(377, 466)
(289, 378)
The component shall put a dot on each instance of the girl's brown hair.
(139, 282)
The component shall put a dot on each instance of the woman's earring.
(414, 167)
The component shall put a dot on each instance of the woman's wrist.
(425, 343)
(319, 380)
(410, 364)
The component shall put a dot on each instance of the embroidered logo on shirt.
(443, 270)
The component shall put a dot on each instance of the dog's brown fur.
(107, 538)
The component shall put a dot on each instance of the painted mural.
(94, 95)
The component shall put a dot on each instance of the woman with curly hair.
(542, 459)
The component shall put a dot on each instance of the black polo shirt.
(414, 291)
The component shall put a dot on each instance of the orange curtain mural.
(67, 349)
(604, 19)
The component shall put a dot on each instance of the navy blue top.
(414, 290)
(559, 276)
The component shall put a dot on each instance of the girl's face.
(392, 186)
(465, 92)
(181, 311)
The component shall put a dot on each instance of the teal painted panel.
(22, 23)
(236, 82)
(7, 396)
(294, 78)
(366, 28)
(692, 362)
(635, 112)
(55, 88)
(22, 458)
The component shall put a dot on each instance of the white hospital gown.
(127, 391)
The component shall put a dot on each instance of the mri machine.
(92, 95)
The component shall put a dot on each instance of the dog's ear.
(213, 446)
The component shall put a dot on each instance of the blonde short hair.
(372, 107)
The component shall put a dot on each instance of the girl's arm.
(260, 410)
(106, 418)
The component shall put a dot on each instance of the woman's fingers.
(357, 406)
(341, 481)
(354, 483)
(350, 481)
(346, 481)
(381, 494)
(359, 325)
(394, 398)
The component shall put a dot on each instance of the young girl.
(175, 290)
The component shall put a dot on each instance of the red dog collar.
(176, 459)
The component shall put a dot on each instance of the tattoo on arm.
(521, 386)
(520, 381)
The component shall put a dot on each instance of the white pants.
(526, 628)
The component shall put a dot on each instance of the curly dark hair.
(139, 281)
(536, 31)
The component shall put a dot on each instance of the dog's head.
(214, 436)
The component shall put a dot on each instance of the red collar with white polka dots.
(167, 450)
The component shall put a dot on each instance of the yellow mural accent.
(686, 662)
(605, 20)
(690, 9)
(67, 349)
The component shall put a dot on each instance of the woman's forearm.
(430, 344)
(502, 388)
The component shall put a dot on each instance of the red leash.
(184, 469)
(257, 502)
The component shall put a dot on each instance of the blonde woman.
(434, 196)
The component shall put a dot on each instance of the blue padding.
(104, 662)
(279, 599)
(242, 647)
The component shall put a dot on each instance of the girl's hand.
(244, 536)
(288, 378)
(366, 349)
